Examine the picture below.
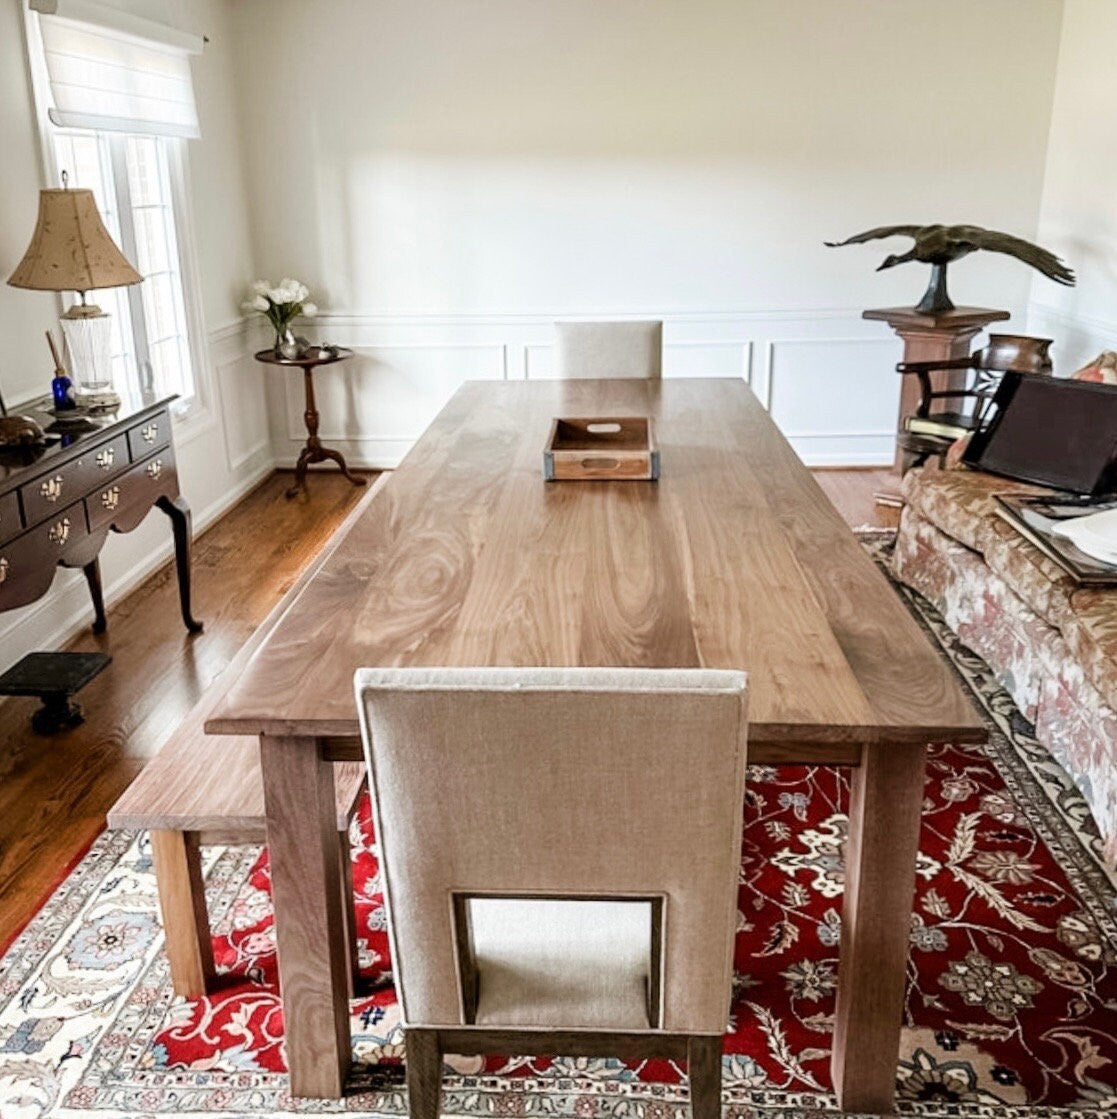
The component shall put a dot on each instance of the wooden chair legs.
(423, 1059)
(423, 1065)
(182, 900)
(703, 1060)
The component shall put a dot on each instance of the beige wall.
(24, 361)
(1078, 216)
(653, 155)
(218, 192)
(449, 177)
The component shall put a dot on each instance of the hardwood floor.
(851, 492)
(54, 792)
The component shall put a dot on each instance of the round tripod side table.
(314, 451)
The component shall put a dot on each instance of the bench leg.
(349, 911)
(182, 899)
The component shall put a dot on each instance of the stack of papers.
(1094, 534)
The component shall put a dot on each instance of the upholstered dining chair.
(609, 349)
(559, 851)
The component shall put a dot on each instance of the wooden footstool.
(201, 789)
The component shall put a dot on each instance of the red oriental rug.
(1011, 1003)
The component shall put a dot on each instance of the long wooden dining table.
(734, 558)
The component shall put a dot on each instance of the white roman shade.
(115, 72)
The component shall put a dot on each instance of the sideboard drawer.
(48, 493)
(28, 562)
(149, 436)
(10, 522)
(135, 491)
(64, 529)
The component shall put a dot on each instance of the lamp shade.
(71, 249)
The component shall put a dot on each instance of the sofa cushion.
(961, 504)
(1032, 574)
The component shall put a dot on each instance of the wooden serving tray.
(605, 448)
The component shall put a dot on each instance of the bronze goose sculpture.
(938, 245)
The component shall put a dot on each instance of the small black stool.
(54, 678)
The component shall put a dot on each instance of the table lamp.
(71, 250)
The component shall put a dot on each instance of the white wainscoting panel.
(835, 399)
(376, 404)
(828, 376)
(238, 383)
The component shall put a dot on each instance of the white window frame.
(194, 413)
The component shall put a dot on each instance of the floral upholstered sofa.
(1052, 643)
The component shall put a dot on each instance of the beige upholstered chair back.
(621, 788)
(610, 349)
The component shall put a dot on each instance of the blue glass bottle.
(62, 389)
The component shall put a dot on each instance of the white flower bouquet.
(280, 304)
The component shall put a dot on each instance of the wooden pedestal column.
(931, 337)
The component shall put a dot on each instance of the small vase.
(286, 345)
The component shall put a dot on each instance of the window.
(130, 177)
(116, 104)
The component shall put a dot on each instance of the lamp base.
(88, 333)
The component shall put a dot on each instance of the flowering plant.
(280, 304)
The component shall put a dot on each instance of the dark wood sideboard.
(58, 503)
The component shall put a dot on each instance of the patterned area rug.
(1011, 1004)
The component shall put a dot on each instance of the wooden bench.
(207, 789)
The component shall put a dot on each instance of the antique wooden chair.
(560, 851)
(609, 349)
(931, 429)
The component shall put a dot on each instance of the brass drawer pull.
(149, 433)
(4, 565)
(51, 488)
(104, 459)
(110, 498)
(59, 533)
(154, 469)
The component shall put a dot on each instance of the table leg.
(309, 924)
(92, 572)
(179, 513)
(339, 458)
(884, 820)
(299, 483)
(314, 451)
